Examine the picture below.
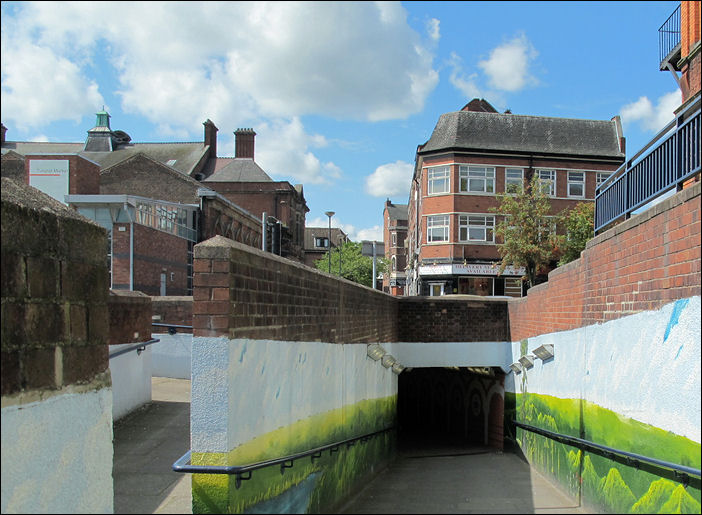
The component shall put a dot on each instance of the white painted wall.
(245, 388)
(644, 366)
(131, 380)
(452, 354)
(170, 357)
(57, 455)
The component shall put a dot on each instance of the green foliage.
(579, 225)
(354, 266)
(525, 230)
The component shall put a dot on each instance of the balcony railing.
(650, 173)
(669, 38)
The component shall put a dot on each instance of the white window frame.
(601, 177)
(576, 179)
(514, 180)
(438, 175)
(436, 222)
(431, 289)
(469, 174)
(514, 287)
(468, 223)
(321, 239)
(551, 176)
(394, 239)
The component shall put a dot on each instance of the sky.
(339, 94)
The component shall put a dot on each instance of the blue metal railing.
(243, 472)
(681, 473)
(669, 35)
(674, 158)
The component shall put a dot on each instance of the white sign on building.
(50, 176)
(469, 269)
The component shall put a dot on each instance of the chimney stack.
(244, 143)
(211, 137)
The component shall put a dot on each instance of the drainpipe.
(263, 231)
(131, 247)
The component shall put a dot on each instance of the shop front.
(470, 279)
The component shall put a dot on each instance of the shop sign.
(469, 269)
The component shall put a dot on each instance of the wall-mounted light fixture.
(527, 361)
(375, 351)
(397, 368)
(388, 361)
(516, 368)
(544, 352)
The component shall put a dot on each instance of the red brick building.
(317, 243)
(680, 49)
(475, 154)
(394, 237)
(150, 199)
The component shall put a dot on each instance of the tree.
(526, 230)
(354, 266)
(579, 225)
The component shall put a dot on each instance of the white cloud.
(468, 84)
(433, 29)
(507, 67)
(391, 179)
(652, 117)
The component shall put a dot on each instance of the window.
(602, 177)
(394, 239)
(513, 286)
(438, 180)
(437, 228)
(548, 182)
(483, 286)
(477, 179)
(321, 242)
(514, 180)
(476, 228)
(393, 261)
(576, 184)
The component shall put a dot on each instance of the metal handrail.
(139, 347)
(172, 328)
(669, 34)
(285, 462)
(682, 472)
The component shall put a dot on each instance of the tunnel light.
(397, 368)
(544, 352)
(527, 361)
(375, 352)
(388, 361)
(516, 368)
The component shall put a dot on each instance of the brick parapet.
(130, 317)
(54, 284)
(176, 310)
(641, 264)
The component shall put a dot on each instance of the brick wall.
(172, 310)
(54, 293)
(130, 317)
(243, 292)
(452, 318)
(641, 264)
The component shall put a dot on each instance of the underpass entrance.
(460, 406)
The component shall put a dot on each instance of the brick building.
(394, 237)
(680, 49)
(475, 154)
(317, 242)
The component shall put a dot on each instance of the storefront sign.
(469, 269)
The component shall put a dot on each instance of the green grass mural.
(605, 484)
(329, 478)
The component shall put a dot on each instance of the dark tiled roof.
(397, 211)
(322, 232)
(238, 169)
(185, 156)
(520, 133)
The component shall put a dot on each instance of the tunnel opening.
(450, 409)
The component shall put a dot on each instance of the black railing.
(681, 473)
(669, 35)
(243, 472)
(674, 159)
(139, 347)
(173, 328)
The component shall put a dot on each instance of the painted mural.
(310, 395)
(649, 404)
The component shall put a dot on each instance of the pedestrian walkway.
(146, 443)
(457, 479)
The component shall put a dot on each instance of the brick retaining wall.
(641, 264)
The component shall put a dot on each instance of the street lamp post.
(341, 239)
(329, 214)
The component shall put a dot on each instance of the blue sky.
(340, 94)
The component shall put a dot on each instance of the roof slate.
(521, 133)
(397, 211)
(238, 169)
